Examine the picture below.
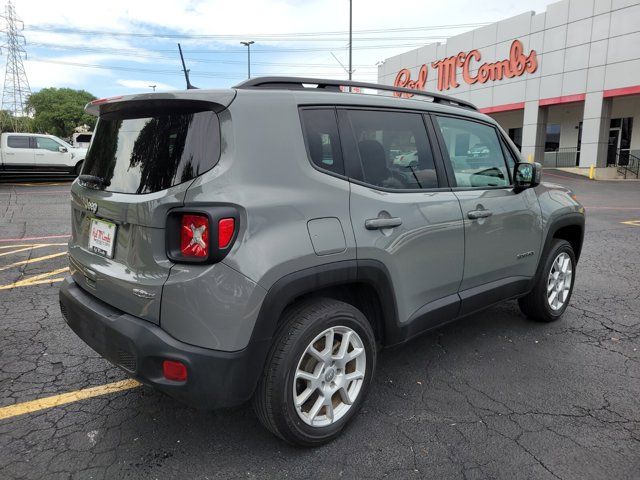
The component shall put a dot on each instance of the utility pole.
(16, 86)
(350, 36)
(248, 45)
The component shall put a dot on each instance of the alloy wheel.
(329, 376)
(559, 281)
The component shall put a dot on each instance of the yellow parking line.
(33, 260)
(29, 247)
(32, 245)
(15, 251)
(37, 279)
(62, 399)
(635, 223)
(43, 184)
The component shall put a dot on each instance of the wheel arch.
(365, 284)
(569, 227)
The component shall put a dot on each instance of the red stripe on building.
(620, 92)
(503, 108)
(579, 97)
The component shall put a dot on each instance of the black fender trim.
(566, 220)
(309, 280)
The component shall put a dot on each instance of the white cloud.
(252, 18)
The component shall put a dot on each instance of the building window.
(515, 134)
(552, 141)
(619, 141)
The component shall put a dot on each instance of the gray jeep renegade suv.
(264, 242)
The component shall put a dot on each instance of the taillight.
(201, 235)
(194, 235)
(226, 229)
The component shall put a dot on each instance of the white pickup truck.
(37, 153)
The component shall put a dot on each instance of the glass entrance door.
(614, 145)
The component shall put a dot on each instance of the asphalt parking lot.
(491, 396)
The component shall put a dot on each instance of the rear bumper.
(215, 378)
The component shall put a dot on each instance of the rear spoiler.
(216, 100)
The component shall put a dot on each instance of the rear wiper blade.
(93, 180)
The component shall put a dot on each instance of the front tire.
(78, 168)
(550, 296)
(318, 372)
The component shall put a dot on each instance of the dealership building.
(564, 83)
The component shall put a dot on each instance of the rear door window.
(321, 138)
(394, 149)
(475, 153)
(144, 154)
(15, 141)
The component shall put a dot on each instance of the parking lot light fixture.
(248, 45)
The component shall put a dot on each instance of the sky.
(125, 46)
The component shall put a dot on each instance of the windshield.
(152, 153)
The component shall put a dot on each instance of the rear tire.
(552, 292)
(317, 373)
(78, 168)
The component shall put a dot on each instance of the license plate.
(102, 237)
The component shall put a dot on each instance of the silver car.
(262, 242)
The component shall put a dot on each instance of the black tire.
(78, 168)
(535, 305)
(273, 400)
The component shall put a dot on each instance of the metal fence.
(563, 157)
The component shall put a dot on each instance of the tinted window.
(43, 143)
(142, 155)
(475, 153)
(321, 137)
(394, 149)
(18, 142)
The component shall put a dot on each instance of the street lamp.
(153, 86)
(248, 45)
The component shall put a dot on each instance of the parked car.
(81, 139)
(259, 242)
(29, 153)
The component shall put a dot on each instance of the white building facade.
(565, 83)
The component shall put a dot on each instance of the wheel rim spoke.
(559, 281)
(329, 376)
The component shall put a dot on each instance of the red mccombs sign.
(448, 68)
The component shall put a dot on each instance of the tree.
(58, 111)
(9, 123)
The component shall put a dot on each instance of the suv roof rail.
(334, 85)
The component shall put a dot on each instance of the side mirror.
(62, 149)
(526, 175)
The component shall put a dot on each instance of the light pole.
(248, 45)
(153, 86)
(350, 35)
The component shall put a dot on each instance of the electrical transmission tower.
(16, 86)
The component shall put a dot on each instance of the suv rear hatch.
(145, 152)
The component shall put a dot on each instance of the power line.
(139, 54)
(16, 85)
(204, 74)
(231, 51)
(263, 37)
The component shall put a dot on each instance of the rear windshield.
(152, 153)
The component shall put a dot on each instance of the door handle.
(376, 223)
(39, 154)
(475, 214)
